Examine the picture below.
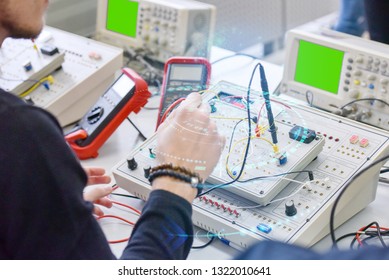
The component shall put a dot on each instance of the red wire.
(127, 206)
(272, 100)
(362, 229)
(122, 219)
(119, 218)
(170, 108)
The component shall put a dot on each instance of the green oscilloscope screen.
(122, 16)
(318, 66)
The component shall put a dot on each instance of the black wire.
(379, 234)
(347, 185)
(310, 173)
(309, 97)
(206, 244)
(383, 180)
(119, 194)
(351, 234)
(374, 233)
(141, 135)
(125, 195)
(365, 240)
(233, 55)
(229, 146)
(365, 99)
(370, 234)
(385, 170)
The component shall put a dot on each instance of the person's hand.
(97, 195)
(189, 138)
(96, 175)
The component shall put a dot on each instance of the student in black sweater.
(43, 212)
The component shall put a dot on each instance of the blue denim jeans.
(351, 17)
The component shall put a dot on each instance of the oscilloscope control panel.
(340, 73)
(296, 209)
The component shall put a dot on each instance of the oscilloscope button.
(359, 59)
(384, 81)
(354, 93)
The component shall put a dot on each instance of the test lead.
(270, 117)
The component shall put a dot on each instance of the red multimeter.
(182, 75)
(128, 93)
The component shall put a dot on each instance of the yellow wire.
(49, 79)
(233, 147)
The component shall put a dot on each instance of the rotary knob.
(95, 115)
(147, 170)
(290, 208)
(131, 163)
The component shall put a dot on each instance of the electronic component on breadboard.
(302, 134)
(299, 212)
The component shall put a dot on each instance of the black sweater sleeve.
(164, 230)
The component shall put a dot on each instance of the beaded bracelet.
(179, 169)
(179, 173)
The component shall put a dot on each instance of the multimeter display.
(186, 72)
(123, 86)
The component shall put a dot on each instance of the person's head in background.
(21, 18)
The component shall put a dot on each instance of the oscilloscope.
(164, 28)
(340, 73)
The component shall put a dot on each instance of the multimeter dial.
(95, 115)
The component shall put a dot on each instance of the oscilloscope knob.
(290, 208)
(354, 93)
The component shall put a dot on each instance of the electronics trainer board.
(82, 69)
(299, 213)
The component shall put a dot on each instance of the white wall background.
(76, 16)
(239, 23)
